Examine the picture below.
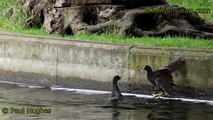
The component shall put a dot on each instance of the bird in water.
(115, 92)
(162, 79)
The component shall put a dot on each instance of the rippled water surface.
(16, 102)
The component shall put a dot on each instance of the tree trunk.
(129, 17)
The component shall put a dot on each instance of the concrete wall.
(46, 61)
(197, 72)
(72, 63)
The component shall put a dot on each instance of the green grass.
(179, 42)
(196, 4)
(16, 24)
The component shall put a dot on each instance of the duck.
(162, 79)
(115, 92)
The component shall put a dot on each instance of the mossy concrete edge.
(65, 61)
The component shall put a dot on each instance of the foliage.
(16, 22)
(197, 4)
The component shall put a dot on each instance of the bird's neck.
(150, 76)
(150, 72)
(116, 92)
(115, 89)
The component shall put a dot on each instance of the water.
(71, 105)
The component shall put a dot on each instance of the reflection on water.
(74, 106)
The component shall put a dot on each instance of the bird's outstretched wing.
(162, 72)
(174, 64)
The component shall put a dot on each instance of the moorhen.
(115, 93)
(162, 79)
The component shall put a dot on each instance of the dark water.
(62, 105)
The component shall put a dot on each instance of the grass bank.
(179, 42)
(197, 4)
(16, 23)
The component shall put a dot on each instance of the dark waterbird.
(162, 78)
(115, 92)
(116, 97)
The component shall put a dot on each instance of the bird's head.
(116, 78)
(146, 68)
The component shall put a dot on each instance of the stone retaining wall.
(54, 61)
